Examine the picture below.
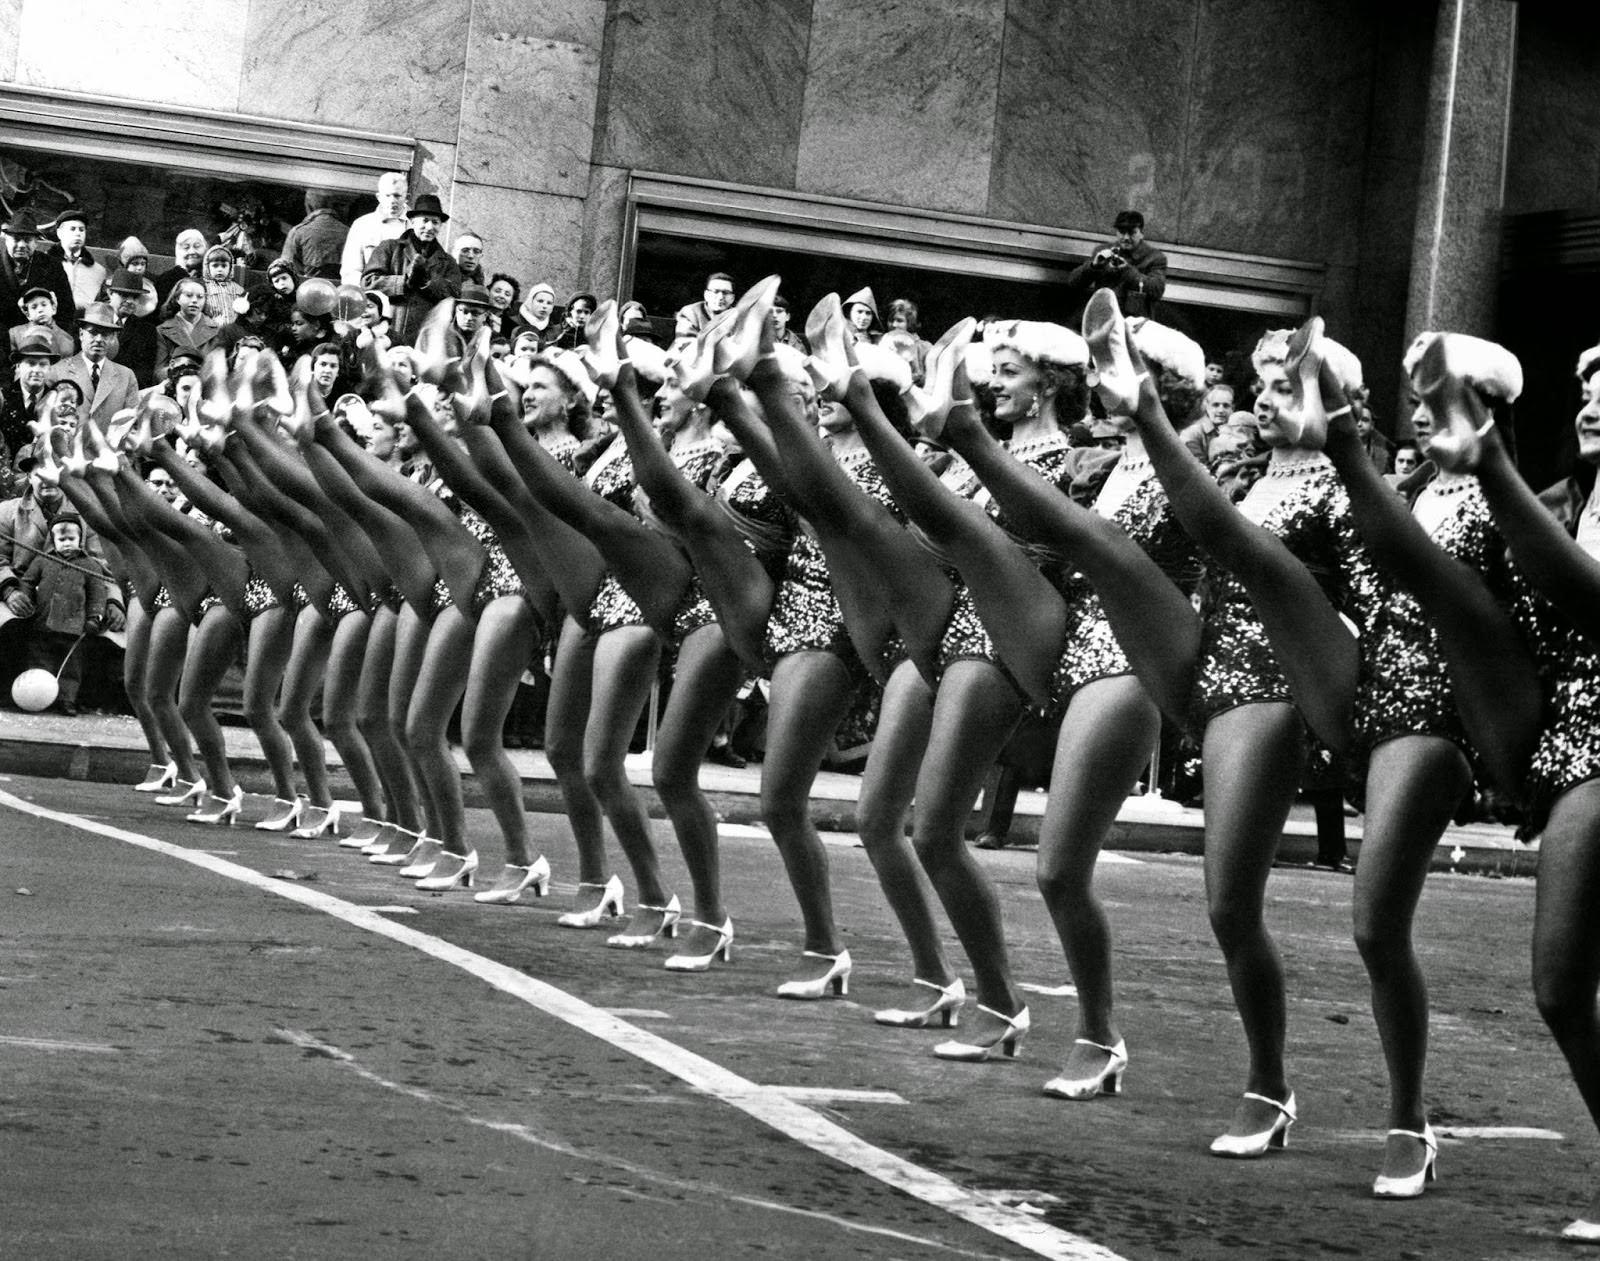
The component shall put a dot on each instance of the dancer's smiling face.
(1588, 423)
(834, 418)
(1017, 384)
(544, 402)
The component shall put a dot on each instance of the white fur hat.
(1488, 366)
(1170, 349)
(882, 364)
(648, 359)
(1040, 341)
(571, 367)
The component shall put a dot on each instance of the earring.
(1033, 407)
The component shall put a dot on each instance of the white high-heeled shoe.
(836, 977)
(287, 815)
(703, 962)
(1581, 1231)
(420, 861)
(1409, 1186)
(219, 810)
(368, 833)
(184, 791)
(451, 870)
(945, 1010)
(513, 880)
(157, 778)
(328, 823)
(1008, 1037)
(1108, 1081)
(608, 907)
(1251, 1146)
(394, 839)
(670, 914)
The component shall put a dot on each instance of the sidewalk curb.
(53, 759)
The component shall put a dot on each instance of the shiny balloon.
(316, 296)
(350, 304)
(34, 690)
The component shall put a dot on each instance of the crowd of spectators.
(90, 330)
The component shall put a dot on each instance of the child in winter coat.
(69, 599)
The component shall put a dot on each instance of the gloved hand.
(20, 602)
(417, 278)
(116, 620)
(92, 626)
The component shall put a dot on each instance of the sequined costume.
(1404, 688)
(765, 522)
(613, 607)
(1568, 752)
(340, 604)
(965, 638)
(498, 577)
(805, 612)
(162, 600)
(259, 598)
(1236, 663)
(1090, 650)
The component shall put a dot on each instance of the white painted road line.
(789, 1118)
(50, 1044)
(823, 1095)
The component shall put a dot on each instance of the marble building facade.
(1380, 143)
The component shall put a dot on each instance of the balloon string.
(82, 569)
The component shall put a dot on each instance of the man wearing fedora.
(414, 271)
(85, 274)
(132, 299)
(24, 266)
(107, 386)
(20, 397)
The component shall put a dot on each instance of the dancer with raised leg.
(1137, 568)
(1275, 664)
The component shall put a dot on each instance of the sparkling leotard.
(1236, 664)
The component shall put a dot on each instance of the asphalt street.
(220, 1042)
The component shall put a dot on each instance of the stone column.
(1455, 253)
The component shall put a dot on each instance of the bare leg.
(372, 721)
(904, 722)
(169, 637)
(1413, 784)
(439, 686)
(624, 668)
(506, 636)
(135, 662)
(271, 639)
(1253, 757)
(308, 656)
(211, 652)
(1107, 735)
(339, 709)
(973, 713)
(1566, 940)
(810, 696)
(410, 646)
(708, 677)
(566, 716)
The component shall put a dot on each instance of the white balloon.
(34, 690)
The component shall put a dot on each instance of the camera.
(1111, 258)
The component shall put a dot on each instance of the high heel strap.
(1285, 1106)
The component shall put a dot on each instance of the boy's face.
(138, 265)
(283, 282)
(40, 309)
(72, 234)
(324, 370)
(219, 269)
(66, 536)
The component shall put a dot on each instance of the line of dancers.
(767, 514)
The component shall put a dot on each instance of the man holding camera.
(1133, 269)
